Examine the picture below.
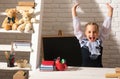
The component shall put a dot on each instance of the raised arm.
(106, 28)
(74, 13)
(110, 10)
(76, 23)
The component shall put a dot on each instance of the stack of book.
(21, 45)
(47, 66)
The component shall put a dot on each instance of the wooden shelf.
(11, 31)
(35, 38)
(3, 66)
(5, 47)
(21, 49)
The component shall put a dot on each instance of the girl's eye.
(94, 32)
(89, 31)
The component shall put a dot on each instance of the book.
(26, 3)
(47, 66)
(22, 45)
(24, 8)
(47, 62)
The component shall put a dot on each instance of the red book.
(47, 63)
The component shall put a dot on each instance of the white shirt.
(103, 33)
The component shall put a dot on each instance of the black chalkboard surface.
(64, 47)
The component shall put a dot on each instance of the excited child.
(91, 40)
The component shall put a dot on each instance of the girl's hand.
(76, 5)
(74, 13)
(110, 10)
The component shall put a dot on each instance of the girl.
(91, 40)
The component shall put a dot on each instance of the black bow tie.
(11, 19)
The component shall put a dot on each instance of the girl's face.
(91, 32)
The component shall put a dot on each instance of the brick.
(51, 6)
(46, 1)
(61, 1)
(115, 1)
(101, 1)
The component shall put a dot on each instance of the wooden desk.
(74, 73)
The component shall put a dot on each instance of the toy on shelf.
(22, 63)
(60, 64)
(26, 9)
(11, 20)
(25, 23)
(10, 57)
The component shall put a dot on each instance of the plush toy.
(60, 64)
(22, 63)
(10, 22)
(25, 23)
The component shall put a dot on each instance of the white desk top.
(74, 73)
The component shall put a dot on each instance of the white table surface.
(74, 73)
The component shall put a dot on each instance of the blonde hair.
(92, 23)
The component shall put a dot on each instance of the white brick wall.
(57, 16)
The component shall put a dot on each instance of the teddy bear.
(25, 23)
(22, 63)
(10, 22)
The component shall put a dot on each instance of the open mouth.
(92, 38)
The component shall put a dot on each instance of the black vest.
(87, 61)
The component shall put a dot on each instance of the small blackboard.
(64, 47)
